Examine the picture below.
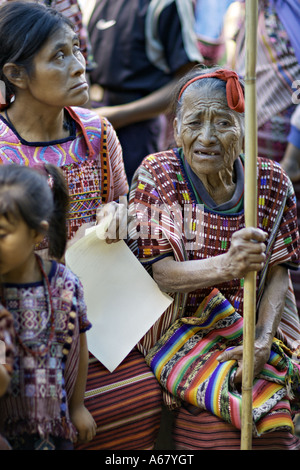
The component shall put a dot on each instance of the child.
(43, 408)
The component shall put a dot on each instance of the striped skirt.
(205, 431)
(125, 404)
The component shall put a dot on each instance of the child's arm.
(80, 416)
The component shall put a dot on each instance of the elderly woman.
(190, 231)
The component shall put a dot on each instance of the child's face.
(17, 243)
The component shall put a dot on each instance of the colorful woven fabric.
(7, 339)
(272, 135)
(162, 182)
(125, 404)
(7, 350)
(185, 362)
(37, 398)
(92, 179)
(194, 430)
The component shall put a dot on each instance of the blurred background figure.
(140, 48)
(292, 153)
(210, 19)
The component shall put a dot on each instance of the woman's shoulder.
(88, 117)
(95, 126)
(168, 160)
(273, 182)
(271, 171)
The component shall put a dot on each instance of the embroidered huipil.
(91, 159)
(37, 399)
(188, 226)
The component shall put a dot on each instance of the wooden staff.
(250, 220)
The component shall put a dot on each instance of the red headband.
(234, 91)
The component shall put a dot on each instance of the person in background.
(141, 49)
(209, 28)
(42, 121)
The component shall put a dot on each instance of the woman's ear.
(15, 74)
(176, 127)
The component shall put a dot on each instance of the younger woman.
(43, 408)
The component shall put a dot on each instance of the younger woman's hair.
(24, 29)
(34, 195)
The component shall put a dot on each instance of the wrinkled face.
(208, 131)
(58, 76)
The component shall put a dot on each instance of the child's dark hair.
(37, 194)
(24, 29)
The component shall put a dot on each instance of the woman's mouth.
(80, 85)
(209, 153)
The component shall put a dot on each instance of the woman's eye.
(223, 123)
(60, 55)
(77, 50)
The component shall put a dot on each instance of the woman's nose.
(78, 65)
(206, 134)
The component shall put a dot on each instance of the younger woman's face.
(58, 77)
(17, 243)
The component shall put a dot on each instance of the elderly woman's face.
(208, 131)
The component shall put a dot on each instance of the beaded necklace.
(44, 348)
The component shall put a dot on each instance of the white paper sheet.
(122, 299)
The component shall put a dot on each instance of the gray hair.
(210, 85)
